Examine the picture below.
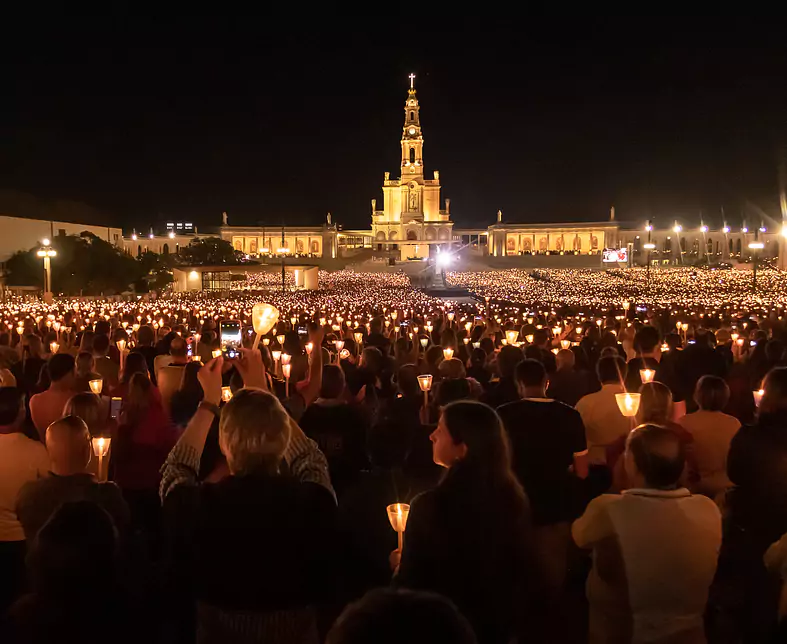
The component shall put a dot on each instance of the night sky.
(281, 121)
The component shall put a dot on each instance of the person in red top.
(144, 439)
(134, 363)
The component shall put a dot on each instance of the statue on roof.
(224, 219)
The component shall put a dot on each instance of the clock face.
(411, 131)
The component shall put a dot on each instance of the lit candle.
(100, 449)
(226, 394)
(96, 386)
(628, 404)
(647, 375)
(511, 336)
(758, 396)
(425, 383)
(448, 353)
(565, 344)
(53, 347)
(397, 515)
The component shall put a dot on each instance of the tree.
(209, 251)
(157, 271)
(84, 264)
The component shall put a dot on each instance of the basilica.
(413, 222)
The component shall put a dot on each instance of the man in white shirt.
(21, 460)
(601, 416)
(654, 547)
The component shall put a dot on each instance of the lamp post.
(46, 252)
(756, 246)
(704, 230)
(649, 246)
(282, 251)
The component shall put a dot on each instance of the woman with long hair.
(87, 406)
(185, 400)
(144, 438)
(470, 537)
(134, 363)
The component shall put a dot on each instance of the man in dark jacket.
(547, 442)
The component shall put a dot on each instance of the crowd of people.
(562, 472)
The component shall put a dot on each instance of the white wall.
(17, 233)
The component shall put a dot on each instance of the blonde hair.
(655, 405)
(254, 432)
(88, 407)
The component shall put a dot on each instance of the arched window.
(412, 155)
(730, 245)
(165, 250)
(139, 250)
(412, 116)
(710, 245)
(738, 246)
(683, 244)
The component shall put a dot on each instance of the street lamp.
(756, 246)
(649, 246)
(46, 252)
(704, 230)
(282, 252)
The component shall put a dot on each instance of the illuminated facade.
(506, 240)
(413, 224)
(411, 219)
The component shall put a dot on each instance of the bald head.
(68, 444)
(565, 359)
(178, 348)
(655, 455)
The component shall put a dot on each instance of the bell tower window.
(412, 155)
(412, 116)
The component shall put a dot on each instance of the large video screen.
(614, 255)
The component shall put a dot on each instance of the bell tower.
(412, 139)
(411, 220)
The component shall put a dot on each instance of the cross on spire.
(412, 80)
